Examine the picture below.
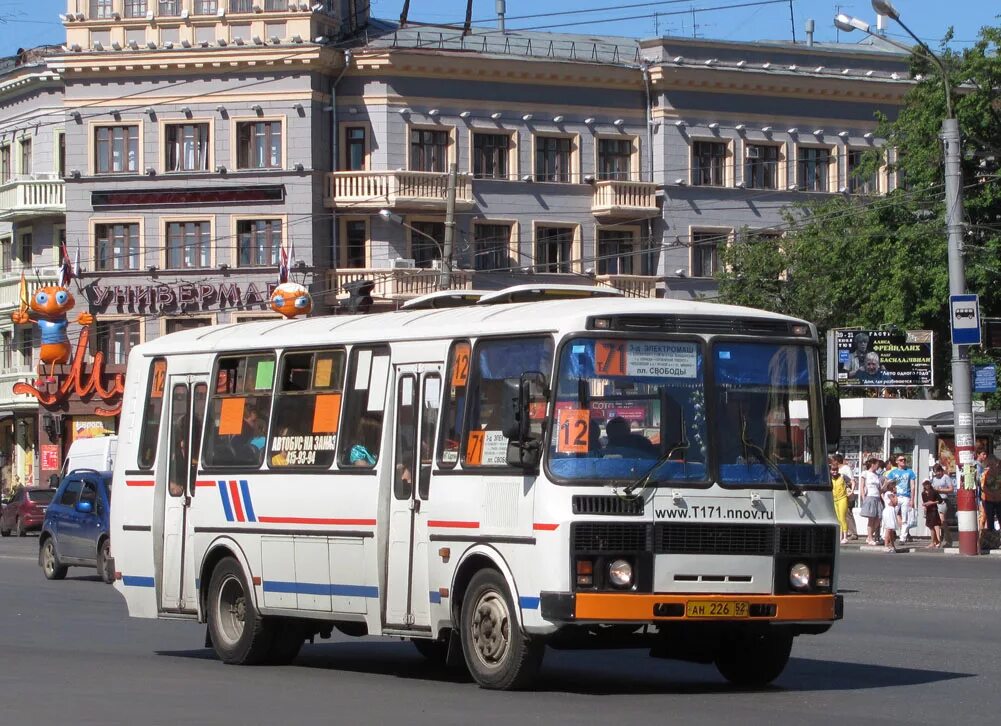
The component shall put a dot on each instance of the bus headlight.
(620, 573)
(799, 576)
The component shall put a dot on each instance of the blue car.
(75, 530)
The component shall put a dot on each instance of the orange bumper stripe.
(606, 607)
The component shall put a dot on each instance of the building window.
(117, 246)
(116, 149)
(428, 150)
(761, 166)
(189, 245)
(135, 8)
(61, 155)
(619, 253)
(25, 156)
(5, 164)
(259, 242)
(169, 8)
(241, 6)
(115, 338)
(275, 6)
(490, 246)
(259, 145)
(490, 155)
(24, 341)
(426, 241)
(859, 181)
(187, 147)
(354, 148)
(6, 255)
(355, 242)
(101, 9)
(705, 253)
(176, 325)
(24, 248)
(553, 249)
(8, 350)
(552, 159)
(813, 167)
(614, 158)
(708, 163)
(206, 7)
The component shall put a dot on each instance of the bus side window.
(239, 408)
(307, 410)
(365, 397)
(456, 378)
(149, 434)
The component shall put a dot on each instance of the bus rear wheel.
(240, 636)
(754, 659)
(498, 654)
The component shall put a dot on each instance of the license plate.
(714, 609)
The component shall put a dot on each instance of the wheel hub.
(491, 629)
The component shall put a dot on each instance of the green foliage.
(877, 261)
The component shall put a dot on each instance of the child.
(930, 500)
(890, 518)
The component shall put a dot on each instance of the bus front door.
(417, 403)
(184, 435)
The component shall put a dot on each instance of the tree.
(877, 261)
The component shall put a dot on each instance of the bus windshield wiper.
(769, 462)
(648, 474)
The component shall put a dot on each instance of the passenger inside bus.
(623, 442)
(366, 451)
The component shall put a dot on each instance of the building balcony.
(621, 198)
(10, 400)
(422, 190)
(630, 285)
(26, 197)
(395, 285)
(10, 286)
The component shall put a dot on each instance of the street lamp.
(962, 399)
(394, 218)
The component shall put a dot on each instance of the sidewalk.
(914, 545)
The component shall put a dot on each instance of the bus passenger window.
(457, 377)
(151, 413)
(365, 397)
(236, 433)
(493, 393)
(307, 410)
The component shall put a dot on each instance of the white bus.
(485, 480)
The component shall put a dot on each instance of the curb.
(920, 549)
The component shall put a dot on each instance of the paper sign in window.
(662, 359)
(265, 375)
(574, 428)
(460, 365)
(610, 358)
(324, 369)
(159, 379)
(231, 416)
(474, 448)
(326, 412)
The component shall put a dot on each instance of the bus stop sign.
(965, 319)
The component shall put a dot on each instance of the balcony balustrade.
(394, 190)
(620, 198)
(24, 197)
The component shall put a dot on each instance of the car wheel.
(240, 636)
(104, 561)
(498, 654)
(19, 528)
(50, 562)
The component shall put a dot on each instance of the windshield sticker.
(574, 427)
(486, 448)
(661, 359)
(610, 358)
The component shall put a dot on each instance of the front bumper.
(646, 608)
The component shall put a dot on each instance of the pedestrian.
(904, 481)
(870, 499)
(930, 500)
(942, 483)
(890, 504)
(990, 494)
(839, 490)
(851, 487)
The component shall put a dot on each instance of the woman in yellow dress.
(840, 490)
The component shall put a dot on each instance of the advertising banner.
(883, 358)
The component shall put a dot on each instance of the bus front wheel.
(240, 635)
(754, 659)
(498, 654)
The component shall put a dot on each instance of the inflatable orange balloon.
(291, 300)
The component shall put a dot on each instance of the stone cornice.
(26, 76)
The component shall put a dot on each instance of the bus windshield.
(626, 409)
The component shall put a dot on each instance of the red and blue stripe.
(236, 502)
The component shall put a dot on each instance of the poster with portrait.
(884, 358)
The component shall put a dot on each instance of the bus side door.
(187, 412)
(417, 404)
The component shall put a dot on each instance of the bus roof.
(428, 324)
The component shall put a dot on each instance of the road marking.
(30, 558)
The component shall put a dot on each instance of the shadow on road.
(597, 673)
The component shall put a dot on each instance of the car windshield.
(41, 496)
(623, 405)
(767, 423)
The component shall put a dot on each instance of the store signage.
(884, 358)
(79, 382)
(180, 295)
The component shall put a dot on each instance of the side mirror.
(84, 507)
(526, 432)
(832, 415)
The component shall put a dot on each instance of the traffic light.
(360, 299)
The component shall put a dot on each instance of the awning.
(986, 421)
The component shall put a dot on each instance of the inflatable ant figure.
(47, 309)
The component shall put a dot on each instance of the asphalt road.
(921, 643)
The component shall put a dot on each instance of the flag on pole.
(282, 265)
(66, 274)
(76, 262)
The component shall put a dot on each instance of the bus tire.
(240, 636)
(286, 641)
(498, 654)
(755, 659)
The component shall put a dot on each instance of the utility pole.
(445, 278)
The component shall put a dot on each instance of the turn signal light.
(585, 567)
